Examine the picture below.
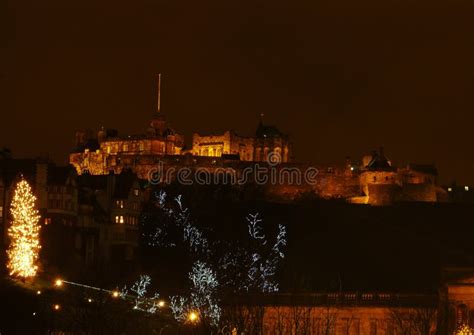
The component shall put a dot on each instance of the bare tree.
(327, 321)
(246, 319)
(280, 325)
(413, 321)
(300, 318)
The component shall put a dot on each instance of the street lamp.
(193, 317)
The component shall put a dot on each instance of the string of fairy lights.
(192, 317)
(58, 283)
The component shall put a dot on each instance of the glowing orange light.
(115, 294)
(24, 245)
(38, 292)
(161, 303)
(58, 282)
(89, 300)
(57, 307)
(193, 317)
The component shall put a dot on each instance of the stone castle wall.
(287, 182)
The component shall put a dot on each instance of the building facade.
(448, 311)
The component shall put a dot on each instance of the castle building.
(110, 152)
(103, 153)
(267, 140)
(376, 181)
(382, 183)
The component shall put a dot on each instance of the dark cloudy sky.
(341, 76)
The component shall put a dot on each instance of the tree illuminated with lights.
(24, 246)
(464, 330)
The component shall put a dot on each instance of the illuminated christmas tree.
(464, 330)
(23, 233)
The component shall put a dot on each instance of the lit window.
(466, 188)
(450, 189)
(135, 192)
(117, 218)
(1, 211)
(47, 221)
(121, 219)
(119, 203)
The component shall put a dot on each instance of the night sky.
(342, 77)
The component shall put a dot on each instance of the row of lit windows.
(126, 147)
(211, 152)
(134, 147)
(121, 219)
(217, 152)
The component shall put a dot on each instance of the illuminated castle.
(375, 181)
(110, 152)
(267, 139)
